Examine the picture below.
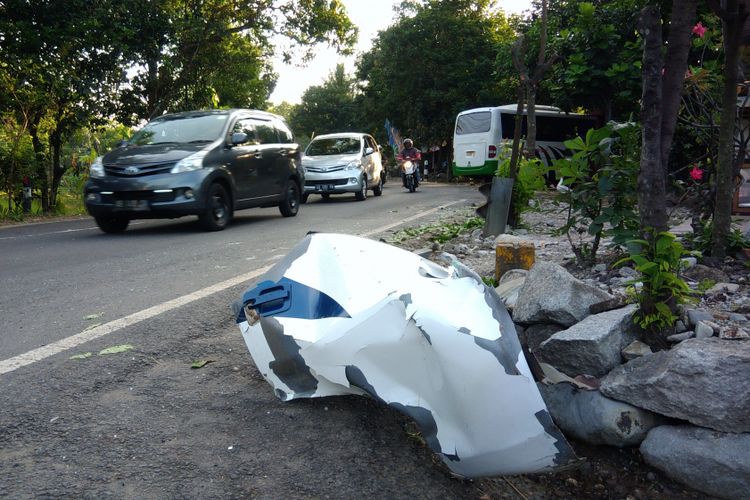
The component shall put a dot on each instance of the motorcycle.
(409, 169)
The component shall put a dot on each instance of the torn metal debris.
(434, 343)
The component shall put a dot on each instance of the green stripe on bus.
(488, 168)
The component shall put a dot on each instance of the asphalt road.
(61, 278)
(142, 423)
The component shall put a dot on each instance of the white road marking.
(63, 231)
(48, 350)
(409, 219)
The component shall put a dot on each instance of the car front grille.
(333, 182)
(138, 170)
(325, 170)
(138, 195)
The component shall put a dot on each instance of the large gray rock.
(713, 462)
(538, 333)
(703, 381)
(590, 417)
(591, 347)
(552, 295)
(509, 290)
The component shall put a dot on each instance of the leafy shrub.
(529, 180)
(599, 188)
(701, 239)
(658, 262)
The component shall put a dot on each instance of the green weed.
(440, 232)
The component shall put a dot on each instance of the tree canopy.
(436, 60)
(65, 64)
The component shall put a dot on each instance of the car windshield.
(181, 129)
(334, 146)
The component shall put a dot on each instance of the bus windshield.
(474, 123)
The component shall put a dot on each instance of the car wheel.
(218, 211)
(305, 197)
(112, 225)
(289, 206)
(378, 190)
(361, 195)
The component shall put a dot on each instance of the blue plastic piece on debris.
(290, 299)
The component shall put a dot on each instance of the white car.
(343, 163)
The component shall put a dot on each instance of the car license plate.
(324, 187)
(132, 204)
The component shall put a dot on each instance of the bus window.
(561, 128)
(473, 123)
(508, 124)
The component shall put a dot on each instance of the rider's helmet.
(408, 144)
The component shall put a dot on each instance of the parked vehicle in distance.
(484, 135)
(205, 163)
(343, 163)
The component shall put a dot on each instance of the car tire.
(378, 190)
(112, 225)
(361, 195)
(289, 206)
(304, 198)
(218, 210)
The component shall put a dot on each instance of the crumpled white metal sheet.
(347, 315)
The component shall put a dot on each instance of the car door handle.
(257, 154)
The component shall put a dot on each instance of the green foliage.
(489, 281)
(327, 108)
(601, 177)
(662, 290)
(705, 284)
(217, 54)
(440, 232)
(439, 58)
(600, 57)
(701, 239)
(529, 180)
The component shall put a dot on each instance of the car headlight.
(190, 163)
(96, 170)
(354, 165)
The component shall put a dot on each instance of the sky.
(370, 16)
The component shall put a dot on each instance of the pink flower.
(699, 30)
(696, 173)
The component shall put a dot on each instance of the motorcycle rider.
(409, 153)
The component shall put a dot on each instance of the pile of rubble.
(686, 408)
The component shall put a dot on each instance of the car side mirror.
(369, 151)
(239, 138)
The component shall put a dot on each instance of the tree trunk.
(152, 99)
(513, 217)
(732, 24)
(530, 150)
(518, 125)
(41, 161)
(651, 183)
(675, 67)
(57, 168)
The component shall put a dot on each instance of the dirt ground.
(143, 424)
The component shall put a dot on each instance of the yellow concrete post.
(512, 252)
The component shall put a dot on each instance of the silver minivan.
(343, 163)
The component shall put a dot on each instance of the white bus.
(485, 135)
